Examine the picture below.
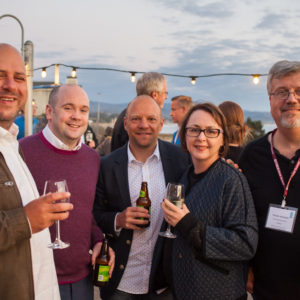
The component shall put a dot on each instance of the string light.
(193, 80)
(44, 73)
(132, 77)
(256, 78)
(73, 73)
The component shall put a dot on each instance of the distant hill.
(110, 108)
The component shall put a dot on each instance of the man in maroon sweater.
(58, 153)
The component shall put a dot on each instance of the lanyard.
(286, 187)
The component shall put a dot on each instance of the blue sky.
(191, 37)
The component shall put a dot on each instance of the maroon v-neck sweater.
(80, 169)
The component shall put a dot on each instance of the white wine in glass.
(175, 194)
(53, 186)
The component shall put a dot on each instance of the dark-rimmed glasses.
(283, 94)
(208, 132)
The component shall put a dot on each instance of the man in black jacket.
(144, 158)
(271, 166)
(152, 84)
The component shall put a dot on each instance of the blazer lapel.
(166, 162)
(120, 170)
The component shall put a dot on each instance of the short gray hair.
(149, 83)
(281, 69)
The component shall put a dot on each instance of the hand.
(250, 282)
(129, 218)
(96, 252)
(173, 214)
(91, 144)
(42, 212)
(232, 163)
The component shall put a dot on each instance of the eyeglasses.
(283, 94)
(208, 132)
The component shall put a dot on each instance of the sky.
(186, 37)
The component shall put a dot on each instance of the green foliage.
(256, 128)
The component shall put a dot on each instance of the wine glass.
(175, 194)
(53, 186)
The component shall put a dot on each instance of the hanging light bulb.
(256, 79)
(193, 80)
(73, 73)
(44, 73)
(132, 77)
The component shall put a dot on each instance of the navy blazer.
(112, 196)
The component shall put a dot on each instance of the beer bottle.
(101, 272)
(144, 201)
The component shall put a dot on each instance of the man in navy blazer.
(143, 158)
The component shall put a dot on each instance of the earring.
(221, 150)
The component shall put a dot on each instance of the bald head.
(67, 113)
(144, 100)
(63, 90)
(143, 122)
(13, 88)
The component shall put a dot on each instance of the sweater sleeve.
(97, 235)
(237, 238)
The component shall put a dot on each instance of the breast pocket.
(8, 194)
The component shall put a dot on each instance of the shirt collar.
(11, 132)
(56, 142)
(131, 157)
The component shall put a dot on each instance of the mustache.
(289, 106)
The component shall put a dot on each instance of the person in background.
(20, 121)
(271, 165)
(143, 158)
(104, 146)
(152, 84)
(90, 137)
(26, 262)
(57, 152)
(216, 228)
(237, 129)
(179, 107)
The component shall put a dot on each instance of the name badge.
(282, 219)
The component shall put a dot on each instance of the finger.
(60, 216)
(134, 209)
(61, 207)
(52, 197)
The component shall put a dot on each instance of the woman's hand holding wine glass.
(173, 213)
(173, 207)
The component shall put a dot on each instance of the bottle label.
(103, 274)
(142, 194)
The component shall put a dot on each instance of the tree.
(256, 128)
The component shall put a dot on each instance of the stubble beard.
(290, 121)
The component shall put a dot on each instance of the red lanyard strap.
(286, 187)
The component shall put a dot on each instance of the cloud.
(272, 21)
(216, 9)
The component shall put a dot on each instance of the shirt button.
(121, 267)
(128, 242)
(292, 161)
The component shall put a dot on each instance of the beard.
(290, 121)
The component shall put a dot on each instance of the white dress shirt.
(56, 142)
(44, 274)
(135, 279)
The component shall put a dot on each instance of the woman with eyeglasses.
(216, 228)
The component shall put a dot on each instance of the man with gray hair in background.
(152, 84)
(271, 165)
(179, 107)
